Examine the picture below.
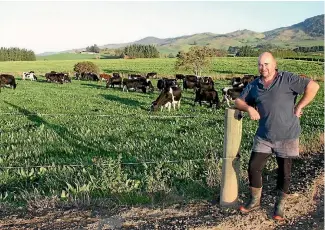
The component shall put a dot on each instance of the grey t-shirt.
(275, 105)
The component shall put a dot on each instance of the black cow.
(116, 75)
(190, 82)
(152, 75)
(89, 76)
(115, 80)
(134, 76)
(170, 96)
(7, 79)
(55, 77)
(179, 76)
(207, 95)
(206, 83)
(165, 83)
(137, 84)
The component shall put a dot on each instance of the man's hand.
(253, 114)
(298, 111)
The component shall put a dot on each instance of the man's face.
(266, 65)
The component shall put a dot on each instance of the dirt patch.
(304, 210)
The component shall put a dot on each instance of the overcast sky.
(56, 26)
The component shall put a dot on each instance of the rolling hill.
(307, 33)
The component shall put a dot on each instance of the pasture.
(82, 140)
(221, 67)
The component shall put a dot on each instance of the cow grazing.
(208, 95)
(29, 75)
(7, 79)
(165, 83)
(152, 75)
(137, 84)
(57, 77)
(168, 97)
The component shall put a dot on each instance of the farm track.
(305, 210)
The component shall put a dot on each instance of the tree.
(171, 55)
(198, 59)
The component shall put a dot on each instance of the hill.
(310, 32)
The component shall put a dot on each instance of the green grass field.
(82, 140)
(227, 66)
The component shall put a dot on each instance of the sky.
(53, 26)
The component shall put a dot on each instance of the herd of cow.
(170, 89)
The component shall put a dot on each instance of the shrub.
(86, 66)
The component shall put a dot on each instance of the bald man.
(274, 96)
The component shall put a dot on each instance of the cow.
(170, 96)
(190, 82)
(137, 84)
(55, 77)
(7, 79)
(231, 93)
(235, 81)
(206, 83)
(115, 80)
(208, 95)
(152, 75)
(134, 76)
(179, 76)
(89, 76)
(105, 76)
(165, 83)
(116, 75)
(29, 75)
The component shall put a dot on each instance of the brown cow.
(7, 79)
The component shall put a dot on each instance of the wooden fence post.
(230, 161)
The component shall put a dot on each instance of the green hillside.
(66, 56)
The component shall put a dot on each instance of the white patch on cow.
(241, 85)
(125, 88)
(225, 90)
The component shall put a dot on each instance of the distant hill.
(307, 33)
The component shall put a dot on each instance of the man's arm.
(242, 105)
(309, 94)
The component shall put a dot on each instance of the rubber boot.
(279, 206)
(254, 201)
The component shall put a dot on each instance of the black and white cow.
(152, 75)
(169, 97)
(165, 83)
(137, 84)
(29, 75)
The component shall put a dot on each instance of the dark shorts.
(284, 148)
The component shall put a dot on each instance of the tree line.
(16, 54)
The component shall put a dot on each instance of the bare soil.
(304, 210)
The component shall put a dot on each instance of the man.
(274, 96)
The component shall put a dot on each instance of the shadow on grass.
(75, 141)
(124, 101)
(96, 85)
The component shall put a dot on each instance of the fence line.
(100, 115)
(122, 163)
